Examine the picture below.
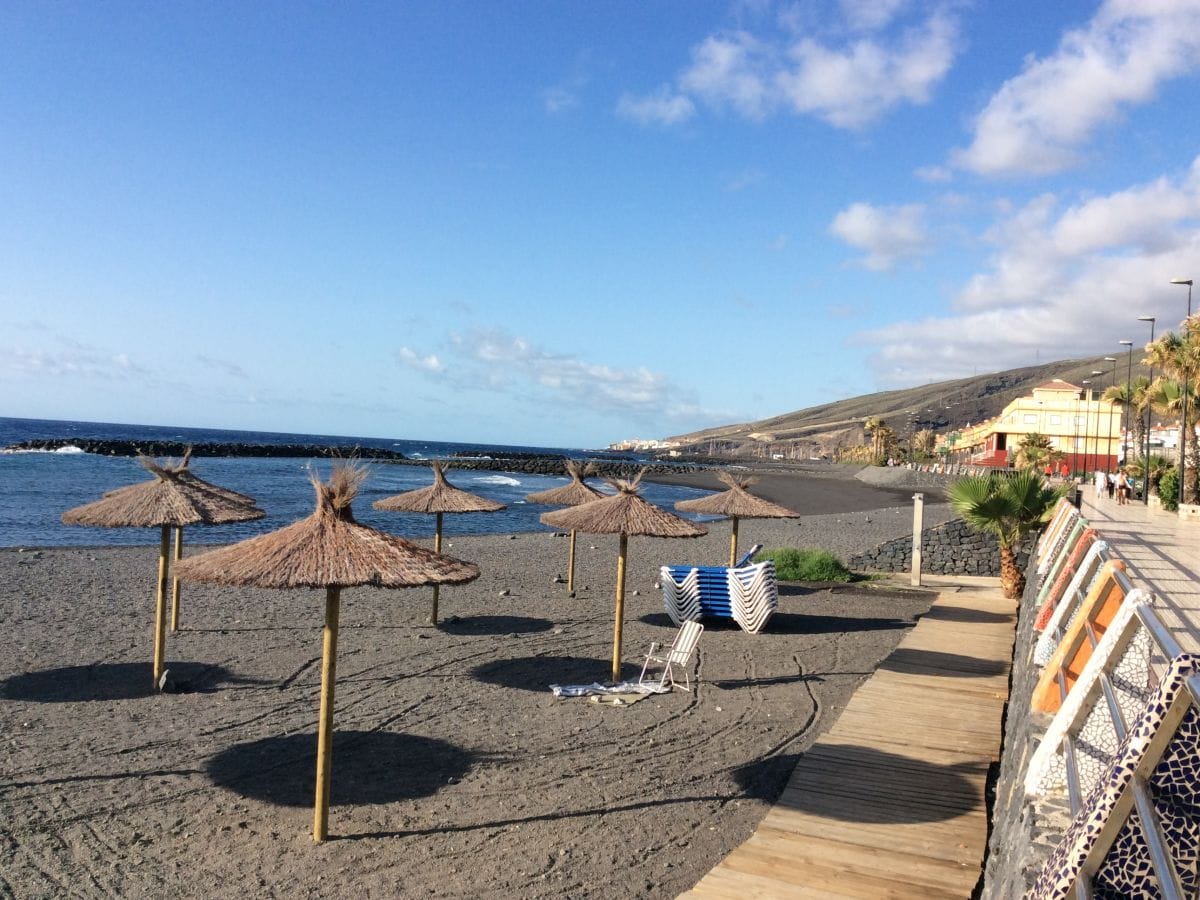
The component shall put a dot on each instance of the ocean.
(36, 488)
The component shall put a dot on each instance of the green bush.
(805, 565)
(1168, 489)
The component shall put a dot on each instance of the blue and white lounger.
(748, 594)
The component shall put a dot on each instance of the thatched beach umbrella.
(172, 499)
(573, 494)
(330, 550)
(440, 497)
(624, 514)
(186, 476)
(736, 503)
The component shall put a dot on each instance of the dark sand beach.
(456, 773)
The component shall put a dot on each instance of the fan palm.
(1135, 397)
(1008, 507)
(923, 443)
(1035, 451)
(1178, 356)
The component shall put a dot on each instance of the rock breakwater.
(109, 447)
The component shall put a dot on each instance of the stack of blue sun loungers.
(748, 594)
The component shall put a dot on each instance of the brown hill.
(943, 406)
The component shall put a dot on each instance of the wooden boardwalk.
(890, 802)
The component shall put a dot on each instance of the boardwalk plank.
(889, 803)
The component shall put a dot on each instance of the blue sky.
(567, 223)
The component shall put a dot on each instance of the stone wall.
(1024, 831)
(948, 549)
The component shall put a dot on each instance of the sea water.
(36, 488)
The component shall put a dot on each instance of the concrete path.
(1163, 553)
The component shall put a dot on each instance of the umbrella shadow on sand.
(791, 623)
(537, 673)
(372, 767)
(110, 681)
(495, 625)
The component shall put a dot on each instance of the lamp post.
(1095, 373)
(1108, 454)
(1183, 403)
(1125, 436)
(1086, 392)
(1149, 421)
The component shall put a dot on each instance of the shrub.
(792, 564)
(1168, 489)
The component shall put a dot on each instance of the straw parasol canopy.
(328, 549)
(572, 494)
(736, 503)
(224, 495)
(440, 497)
(173, 498)
(624, 513)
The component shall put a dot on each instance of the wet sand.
(455, 771)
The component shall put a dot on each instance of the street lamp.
(1108, 454)
(1125, 442)
(1085, 384)
(1149, 421)
(1087, 420)
(1183, 402)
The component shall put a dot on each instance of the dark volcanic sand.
(812, 490)
(455, 771)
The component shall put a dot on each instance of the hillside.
(943, 406)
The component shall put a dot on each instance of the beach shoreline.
(456, 773)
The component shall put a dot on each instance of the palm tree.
(1034, 451)
(1154, 470)
(1008, 507)
(923, 443)
(871, 426)
(1131, 399)
(1178, 356)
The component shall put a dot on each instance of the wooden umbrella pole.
(160, 604)
(616, 666)
(175, 581)
(733, 544)
(333, 603)
(571, 564)
(437, 548)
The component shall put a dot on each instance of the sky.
(566, 223)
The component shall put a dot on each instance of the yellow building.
(1081, 426)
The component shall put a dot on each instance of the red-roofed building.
(1086, 429)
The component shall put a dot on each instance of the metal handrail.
(1151, 828)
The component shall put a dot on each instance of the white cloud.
(870, 15)
(494, 360)
(934, 174)
(559, 99)
(664, 107)
(413, 360)
(1065, 281)
(852, 86)
(888, 234)
(734, 70)
(1036, 122)
(848, 85)
(222, 365)
(745, 179)
(76, 361)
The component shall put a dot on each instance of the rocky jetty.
(178, 448)
(481, 460)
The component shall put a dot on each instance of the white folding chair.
(678, 654)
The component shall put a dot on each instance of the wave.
(499, 479)
(68, 449)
